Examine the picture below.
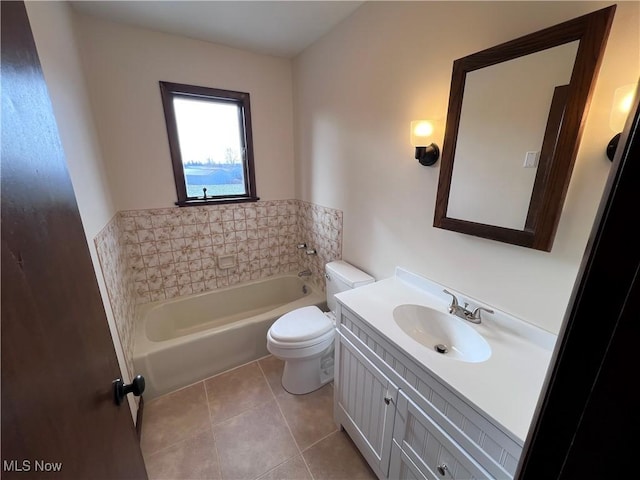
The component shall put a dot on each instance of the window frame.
(169, 91)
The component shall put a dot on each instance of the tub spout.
(305, 273)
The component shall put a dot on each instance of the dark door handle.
(120, 390)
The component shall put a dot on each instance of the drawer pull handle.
(388, 400)
(443, 469)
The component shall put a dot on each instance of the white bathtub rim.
(143, 346)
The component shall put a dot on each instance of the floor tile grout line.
(252, 407)
(282, 463)
(304, 460)
(164, 395)
(310, 446)
(275, 397)
(269, 400)
(288, 427)
(275, 400)
(264, 376)
(197, 432)
(213, 433)
(249, 410)
(205, 379)
(318, 441)
(163, 449)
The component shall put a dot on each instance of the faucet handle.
(476, 312)
(454, 300)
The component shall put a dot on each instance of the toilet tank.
(341, 276)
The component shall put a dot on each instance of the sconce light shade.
(622, 101)
(427, 152)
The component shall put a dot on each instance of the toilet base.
(303, 376)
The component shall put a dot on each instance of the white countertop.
(505, 387)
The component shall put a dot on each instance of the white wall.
(123, 66)
(355, 94)
(51, 23)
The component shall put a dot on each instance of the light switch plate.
(531, 159)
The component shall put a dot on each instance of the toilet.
(304, 337)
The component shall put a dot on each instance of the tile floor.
(243, 425)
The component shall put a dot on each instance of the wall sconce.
(622, 101)
(427, 153)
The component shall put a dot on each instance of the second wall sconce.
(622, 101)
(427, 152)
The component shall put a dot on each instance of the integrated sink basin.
(444, 334)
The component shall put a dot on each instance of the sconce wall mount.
(612, 146)
(428, 155)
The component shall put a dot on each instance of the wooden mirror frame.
(554, 171)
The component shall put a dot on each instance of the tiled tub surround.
(158, 254)
(321, 229)
(173, 252)
(118, 278)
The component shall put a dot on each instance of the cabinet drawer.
(430, 448)
(496, 451)
(402, 467)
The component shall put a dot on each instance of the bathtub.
(187, 339)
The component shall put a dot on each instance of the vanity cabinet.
(406, 422)
(364, 405)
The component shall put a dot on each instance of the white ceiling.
(281, 28)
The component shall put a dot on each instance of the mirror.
(515, 117)
(517, 95)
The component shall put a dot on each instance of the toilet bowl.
(304, 338)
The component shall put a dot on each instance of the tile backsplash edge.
(115, 271)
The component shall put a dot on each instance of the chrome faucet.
(305, 273)
(462, 312)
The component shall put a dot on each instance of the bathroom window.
(210, 143)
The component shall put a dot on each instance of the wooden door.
(587, 418)
(58, 360)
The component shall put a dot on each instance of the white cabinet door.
(402, 468)
(429, 447)
(365, 405)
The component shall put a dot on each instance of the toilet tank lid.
(349, 274)
(300, 325)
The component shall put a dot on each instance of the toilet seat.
(300, 349)
(301, 327)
